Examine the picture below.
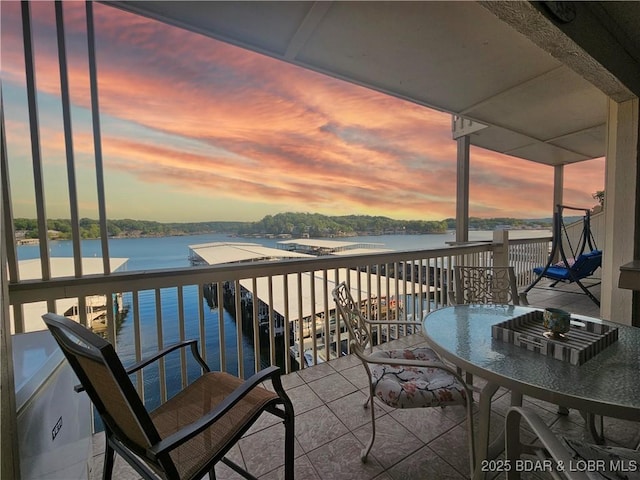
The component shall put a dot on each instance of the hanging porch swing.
(582, 261)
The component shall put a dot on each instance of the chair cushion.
(414, 387)
(603, 462)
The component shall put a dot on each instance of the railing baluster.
(222, 354)
(181, 328)
(160, 338)
(137, 343)
(300, 322)
(287, 324)
(202, 331)
(256, 323)
(272, 326)
(239, 316)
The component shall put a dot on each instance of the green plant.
(599, 195)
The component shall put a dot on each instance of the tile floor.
(332, 426)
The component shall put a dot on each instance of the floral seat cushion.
(414, 387)
(602, 462)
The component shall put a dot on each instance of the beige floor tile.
(332, 387)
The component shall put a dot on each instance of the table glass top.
(462, 334)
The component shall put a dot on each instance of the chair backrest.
(102, 375)
(485, 285)
(352, 316)
(586, 264)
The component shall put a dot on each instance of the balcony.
(327, 396)
(429, 276)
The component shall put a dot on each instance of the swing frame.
(586, 239)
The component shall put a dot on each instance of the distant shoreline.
(36, 241)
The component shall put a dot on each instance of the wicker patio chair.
(569, 458)
(187, 435)
(402, 378)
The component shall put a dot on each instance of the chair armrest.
(194, 351)
(562, 458)
(178, 438)
(452, 297)
(161, 353)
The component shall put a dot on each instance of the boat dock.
(299, 305)
(217, 253)
(96, 305)
(317, 247)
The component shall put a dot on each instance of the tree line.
(89, 228)
(289, 223)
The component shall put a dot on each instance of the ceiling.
(518, 75)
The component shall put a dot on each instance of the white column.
(461, 128)
(558, 185)
(501, 248)
(558, 198)
(620, 193)
(462, 190)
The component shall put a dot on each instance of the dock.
(216, 253)
(64, 267)
(302, 309)
(317, 247)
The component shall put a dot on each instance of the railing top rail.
(64, 287)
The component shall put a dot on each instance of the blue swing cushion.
(584, 266)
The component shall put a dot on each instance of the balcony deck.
(332, 426)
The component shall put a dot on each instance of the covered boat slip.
(301, 298)
(221, 252)
(316, 246)
(64, 267)
(298, 298)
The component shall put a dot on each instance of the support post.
(500, 248)
(558, 199)
(462, 190)
(621, 174)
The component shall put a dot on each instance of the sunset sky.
(196, 130)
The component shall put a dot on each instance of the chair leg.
(471, 433)
(109, 454)
(365, 451)
(289, 437)
(591, 424)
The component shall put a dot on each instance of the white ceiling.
(457, 57)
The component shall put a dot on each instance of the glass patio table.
(608, 384)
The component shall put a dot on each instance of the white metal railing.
(527, 254)
(283, 307)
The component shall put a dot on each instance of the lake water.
(172, 252)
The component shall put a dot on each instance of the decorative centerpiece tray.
(583, 341)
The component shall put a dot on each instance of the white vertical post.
(500, 248)
(558, 185)
(10, 463)
(461, 128)
(621, 184)
(462, 190)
